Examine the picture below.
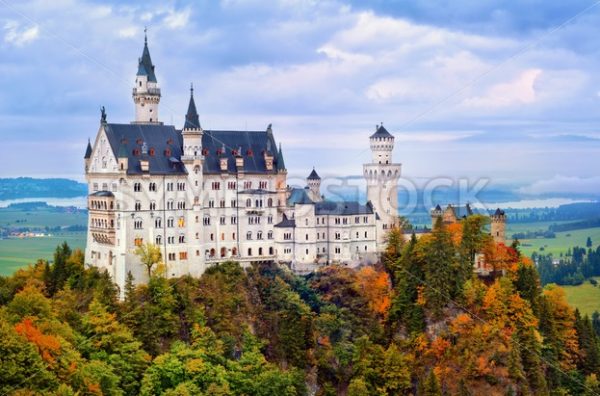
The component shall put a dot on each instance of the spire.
(314, 175)
(381, 132)
(280, 163)
(88, 150)
(192, 121)
(145, 66)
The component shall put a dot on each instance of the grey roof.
(253, 144)
(145, 66)
(88, 150)
(461, 211)
(299, 196)
(102, 194)
(257, 191)
(286, 223)
(381, 132)
(499, 212)
(192, 121)
(342, 208)
(313, 175)
(438, 207)
(162, 140)
(279, 160)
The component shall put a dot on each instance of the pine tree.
(440, 265)
(432, 386)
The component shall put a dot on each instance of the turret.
(314, 185)
(88, 155)
(146, 93)
(382, 145)
(436, 213)
(192, 132)
(498, 226)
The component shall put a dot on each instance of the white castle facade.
(207, 196)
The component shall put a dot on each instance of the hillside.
(27, 187)
(419, 323)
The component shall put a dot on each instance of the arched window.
(223, 252)
(249, 251)
(270, 202)
(248, 203)
(212, 252)
(158, 240)
(249, 235)
(260, 251)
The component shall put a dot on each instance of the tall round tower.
(498, 226)
(146, 93)
(314, 185)
(382, 176)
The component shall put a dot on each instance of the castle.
(207, 196)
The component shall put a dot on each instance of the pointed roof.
(381, 132)
(313, 175)
(88, 150)
(192, 121)
(145, 66)
(280, 163)
(499, 212)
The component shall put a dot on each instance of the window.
(233, 220)
(211, 204)
(249, 235)
(305, 221)
(169, 186)
(95, 186)
(171, 240)
(137, 224)
(157, 222)
(222, 220)
(180, 186)
(172, 257)
(247, 185)
(233, 203)
(249, 251)
(356, 220)
(287, 236)
(216, 185)
(260, 251)
(259, 235)
(307, 237)
(182, 255)
(137, 187)
(222, 203)
(158, 240)
(270, 235)
(171, 204)
(338, 250)
(231, 185)
(337, 236)
(222, 236)
(366, 234)
(181, 238)
(263, 185)
(248, 203)
(138, 242)
(181, 222)
(270, 219)
(206, 221)
(170, 222)
(138, 206)
(152, 187)
(337, 220)
(152, 205)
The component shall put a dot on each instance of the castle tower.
(498, 226)
(382, 182)
(146, 93)
(436, 213)
(314, 185)
(192, 148)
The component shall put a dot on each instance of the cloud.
(564, 184)
(519, 91)
(128, 32)
(434, 136)
(18, 36)
(177, 19)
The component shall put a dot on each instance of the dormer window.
(167, 152)
(139, 141)
(204, 151)
(249, 152)
(136, 152)
(151, 152)
(170, 141)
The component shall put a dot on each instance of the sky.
(496, 90)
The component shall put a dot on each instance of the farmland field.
(562, 242)
(16, 253)
(586, 297)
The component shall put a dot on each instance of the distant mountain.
(27, 187)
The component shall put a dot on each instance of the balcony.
(149, 91)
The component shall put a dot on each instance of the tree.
(432, 386)
(149, 255)
(439, 256)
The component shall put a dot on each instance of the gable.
(103, 159)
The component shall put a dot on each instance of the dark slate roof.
(499, 212)
(102, 194)
(125, 138)
(342, 208)
(257, 191)
(145, 66)
(192, 121)
(299, 196)
(461, 211)
(88, 150)
(314, 175)
(438, 207)
(381, 132)
(253, 144)
(286, 223)
(279, 160)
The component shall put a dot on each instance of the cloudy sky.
(473, 89)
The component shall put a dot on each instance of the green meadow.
(586, 297)
(16, 253)
(562, 242)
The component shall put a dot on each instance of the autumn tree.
(149, 255)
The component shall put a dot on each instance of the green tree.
(432, 385)
(149, 255)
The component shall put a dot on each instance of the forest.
(419, 323)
